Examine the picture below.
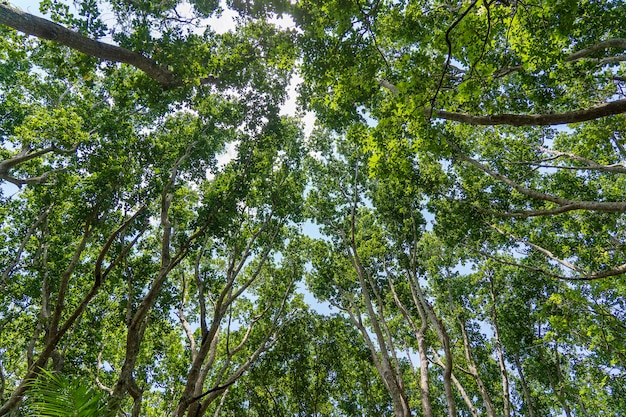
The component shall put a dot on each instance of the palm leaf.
(55, 395)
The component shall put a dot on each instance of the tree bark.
(56, 332)
(527, 397)
(565, 205)
(503, 372)
(422, 345)
(557, 387)
(458, 386)
(473, 370)
(389, 376)
(577, 116)
(137, 325)
(561, 383)
(419, 298)
(610, 43)
(45, 29)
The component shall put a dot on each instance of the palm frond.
(56, 395)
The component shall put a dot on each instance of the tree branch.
(610, 43)
(503, 72)
(576, 116)
(45, 29)
(619, 168)
(18, 254)
(546, 252)
(564, 204)
(532, 213)
(619, 270)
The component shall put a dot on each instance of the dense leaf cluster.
(457, 210)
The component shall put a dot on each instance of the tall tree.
(470, 237)
(121, 189)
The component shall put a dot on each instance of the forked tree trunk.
(422, 345)
(419, 298)
(473, 369)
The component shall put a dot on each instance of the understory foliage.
(455, 216)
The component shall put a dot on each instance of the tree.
(319, 368)
(122, 191)
(471, 239)
(346, 275)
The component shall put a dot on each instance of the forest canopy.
(457, 210)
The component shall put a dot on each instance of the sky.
(224, 23)
(220, 24)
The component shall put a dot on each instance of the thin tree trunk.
(474, 371)
(2, 382)
(527, 396)
(422, 345)
(391, 379)
(270, 339)
(385, 371)
(458, 386)
(556, 387)
(43, 218)
(419, 298)
(392, 349)
(199, 369)
(503, 372)
(56, 332)
(401, 405)
(561, 383)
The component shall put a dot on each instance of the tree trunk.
(527, 397)
(419, 298)
(55, 330)
(422, 345)
(391, 379)
(474, 371)
(557, 387)
(458, 386)
(503, 372)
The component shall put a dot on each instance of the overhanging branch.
(564, 204)
(577, 116)
(610, 43)
(45, 29)
(549, 119)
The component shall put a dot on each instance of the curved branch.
(389, 86)
(449, 44)
(610, 43)
(564, 204)
(18, 254)
(28, 154)
(618, 168)
(576, 116)
(506, 71)
(543, 250)
(45, 29)
(582, 274)
(612, 60)
(531, 213)
(619, 270)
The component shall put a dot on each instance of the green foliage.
(155, 242)
(57, 395)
